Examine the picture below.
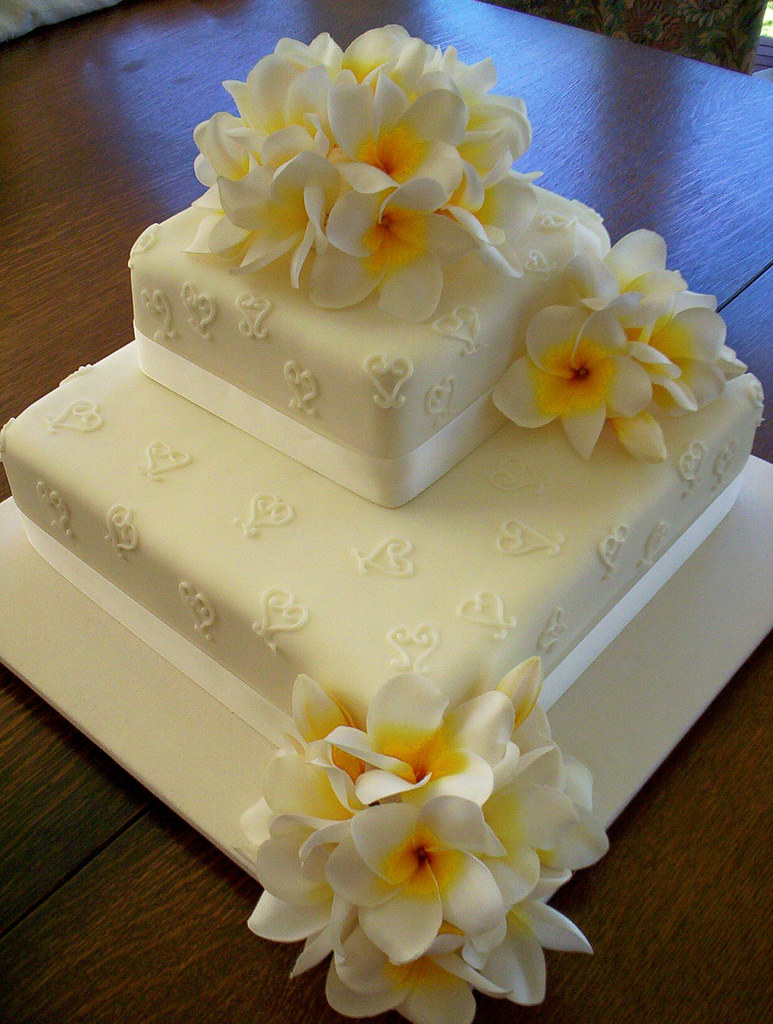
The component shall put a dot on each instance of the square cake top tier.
(378, 404)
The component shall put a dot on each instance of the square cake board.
(621, 718)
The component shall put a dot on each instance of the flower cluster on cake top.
(420, 849)
(628, 340)
(377, 166)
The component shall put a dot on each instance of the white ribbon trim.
(230, 691)
(388, 482)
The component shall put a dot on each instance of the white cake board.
(622, 717)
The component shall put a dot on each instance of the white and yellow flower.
(420, 850)
(382, 162)
(395, 241)
(415, 746)
(434, 989)
(409, 870)
(577, 369)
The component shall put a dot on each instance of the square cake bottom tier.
(270, 570)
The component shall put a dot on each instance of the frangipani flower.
(396, 241)
(637, 263)
(414, 742)
(434, 989)
(389, 139)
(420, 850)
(682, 351)
(577, 369)
(269, 214)
(409, 870)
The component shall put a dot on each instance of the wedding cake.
(368, 308)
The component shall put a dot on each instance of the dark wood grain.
(147, 922)
(60, 799)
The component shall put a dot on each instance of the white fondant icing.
(388, 374)
(414, 646)
(390, 557)
(254, 310)
(723, 462)
(202, 309)
(756, 395)
(62, 514)
(537, 262)
(3, 436)
(487, 609)
(199, 608)
(655, 544)
(159, 307)
(462, 324)
(452, 527)
(689, 465)
(162, 459)
(304, 387)
(280, 613)
(81, 416)
(438, 401)
(146, 241)
(512, 475)
(516, 538)
(80, 372)
(551, 635)
(266, 510)
(121, 531)
(555, 222)
(609, 549)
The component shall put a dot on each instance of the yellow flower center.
(396, 239)
(397, 153)
(579, 379)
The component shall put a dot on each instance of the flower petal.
(359, 1004)
(352, 879)
(641, 435)
(583, 429)
(458, 824)
(287, 922)
(522, 685)
(630, 389)
(404, 714)
(483, 724)
(405, 925)
(554, 329)
(438, 999)
(412, 291)
(470, 896)
(518, 966)
(636, 254)
(315, 712)
(379, 832)
(515, 394)
(554, 931)
(339, 280)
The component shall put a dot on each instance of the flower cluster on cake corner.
(628, 344)
(379, 165)
(420, 847)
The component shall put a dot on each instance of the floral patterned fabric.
(723, 32)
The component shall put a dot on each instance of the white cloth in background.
(20, 16)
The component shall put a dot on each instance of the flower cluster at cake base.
(375, 166)
(419, 852)
(628, 344)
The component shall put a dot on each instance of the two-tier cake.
(392, 316)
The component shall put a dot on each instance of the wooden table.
(111, 908)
